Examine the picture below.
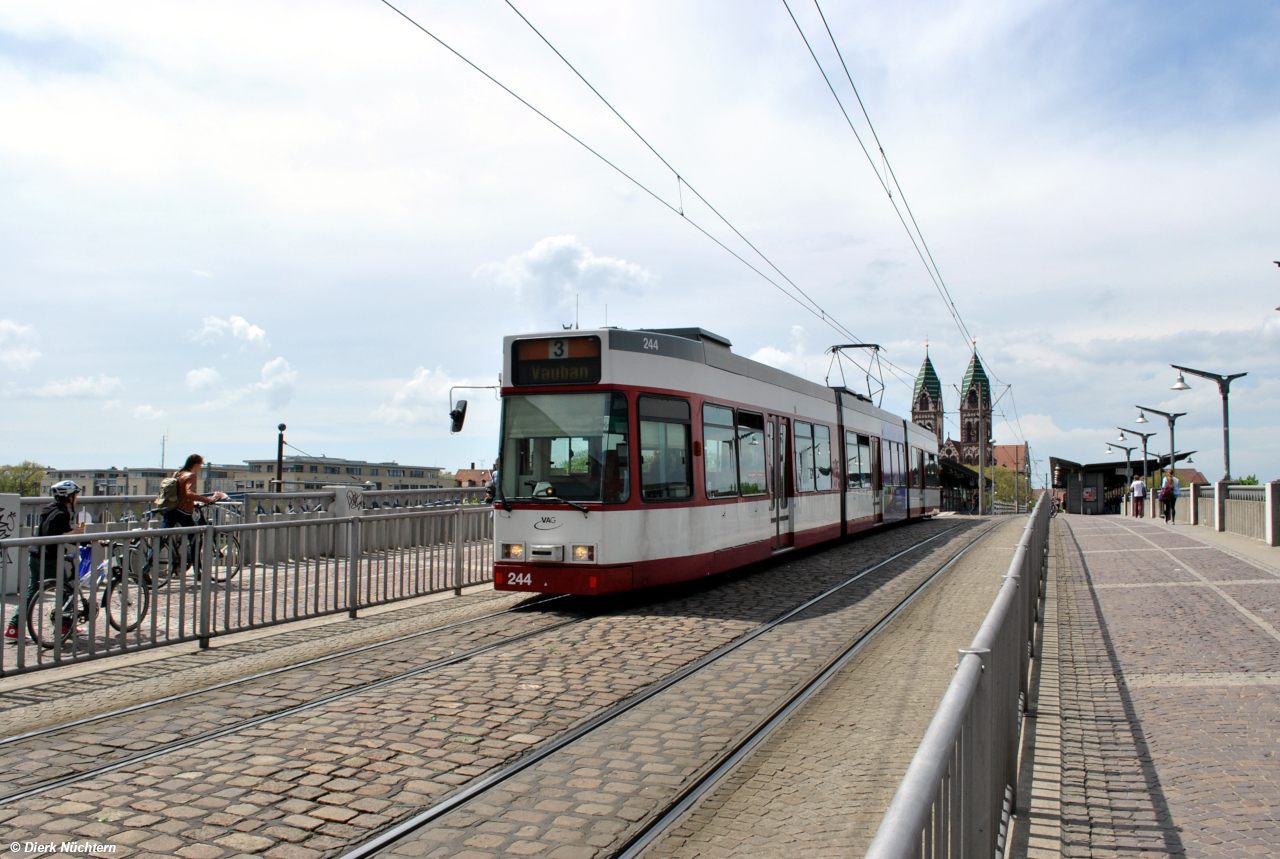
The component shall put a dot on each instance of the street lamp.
(1145, 436)
(1171, 418)
(1224, 387)
(1128, 467)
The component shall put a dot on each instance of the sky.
(218, 217)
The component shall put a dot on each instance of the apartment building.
(301, 473)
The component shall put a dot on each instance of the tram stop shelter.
(959, 486)
(1099, 487)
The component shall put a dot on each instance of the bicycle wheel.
(127, 600)
(226, 557)
(43, 620)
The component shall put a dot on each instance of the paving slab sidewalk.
(1168, 681)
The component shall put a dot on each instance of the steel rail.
(716, 772)
(483, 785)
(187, 742)
(226, 684)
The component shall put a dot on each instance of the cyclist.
(182, 514)
(184, 498)
(56, 519)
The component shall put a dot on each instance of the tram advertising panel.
(556, 361)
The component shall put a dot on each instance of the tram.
(636, 458)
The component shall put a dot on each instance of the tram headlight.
(584, 554)
(513, 551)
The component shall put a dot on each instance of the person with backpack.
(1167, 500)
(178, 496)
(56, 519)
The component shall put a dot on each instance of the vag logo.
(546, 523)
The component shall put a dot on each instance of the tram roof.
(701, 346)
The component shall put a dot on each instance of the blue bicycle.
(58, 607)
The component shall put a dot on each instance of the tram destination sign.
(556, 361)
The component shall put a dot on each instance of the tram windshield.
(570, 446)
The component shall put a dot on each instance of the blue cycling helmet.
(65, 489)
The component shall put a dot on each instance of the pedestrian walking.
(1173, 502)
(1139, 496)
(56, 519)
(1166, 499)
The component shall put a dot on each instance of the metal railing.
(116, 591)
(1246, 493)
(129, 508)
(958, 793)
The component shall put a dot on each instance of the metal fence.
(131, 508)
(958, 794)
(123, 590)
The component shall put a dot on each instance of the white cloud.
(798, 360)
(148, 413)
(237, 327)
(80, 386)
(277, 382)
(204, 377)
(16, 351)
(423, 397)
(208, 275)
(548, 276)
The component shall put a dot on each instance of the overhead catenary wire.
(940, 283)
(915, 242)
(803, 299)
(914, 233)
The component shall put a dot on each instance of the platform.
(1157, 727)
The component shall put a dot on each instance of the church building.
(975, 410)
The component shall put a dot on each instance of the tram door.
(779, 467)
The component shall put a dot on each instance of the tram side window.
(900, 463)
(804, 457)
(822, 456)
(666, 463)
(719, 456)
(852, 462)
(864, 457)
(858, 461)
(917, 467)
(751, 467)
(932, 479)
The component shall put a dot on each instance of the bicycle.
(120, 593)
(158, 568)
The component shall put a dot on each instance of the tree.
(1251, 480)
(23, 478)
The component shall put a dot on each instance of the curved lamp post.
(1171, 417)
(1224, 388)
(1144, 436)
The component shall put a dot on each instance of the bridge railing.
(113, 509)
(119, 590)
(958, 793)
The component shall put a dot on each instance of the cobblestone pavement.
(820, 785)
(77, 749)
(1170, 695)
(36, 701)
(310, 784)
(586, 799)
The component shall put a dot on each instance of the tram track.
(714, 775)
(162, 748)
(484, 785)
(396, 727)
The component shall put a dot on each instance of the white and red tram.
(631, 459)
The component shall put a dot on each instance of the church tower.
(975, 411)
(926, 401)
